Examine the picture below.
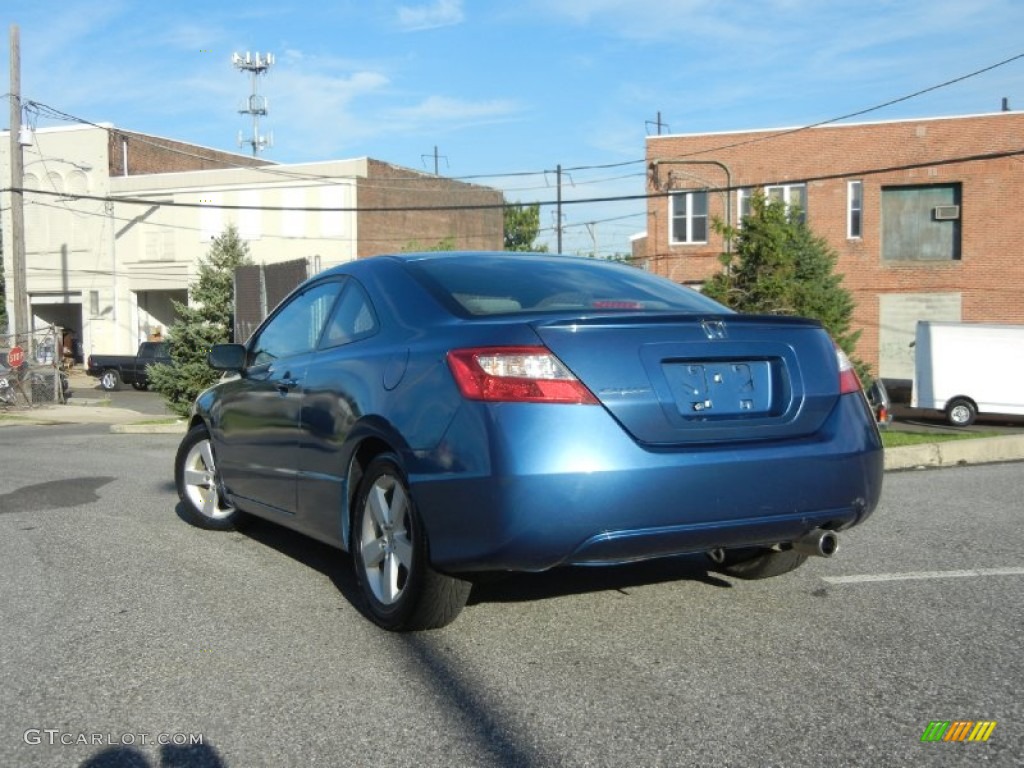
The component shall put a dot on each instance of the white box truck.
(966, 369)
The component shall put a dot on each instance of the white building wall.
(67, 241)
(159, 245)
(109, 268)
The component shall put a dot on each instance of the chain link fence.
(31, 369)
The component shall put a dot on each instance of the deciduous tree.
(522, 225)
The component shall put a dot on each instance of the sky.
(508, 91)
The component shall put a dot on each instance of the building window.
(293, 220)
(794, 196)
(211, 216)
(743, 209)
(921, 223)
(94, 303)
(332, 220)
(159, 245)
(854, 209)
(689, 217)
(250, 217)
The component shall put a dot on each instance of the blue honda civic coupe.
(438, 415)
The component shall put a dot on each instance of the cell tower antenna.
(256, 105)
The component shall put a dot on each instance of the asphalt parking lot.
(124, 624)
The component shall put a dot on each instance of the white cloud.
(443, 13)
(441, 109)
(312, 111)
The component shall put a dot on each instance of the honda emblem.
(713, 329)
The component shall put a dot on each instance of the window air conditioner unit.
(946, 212)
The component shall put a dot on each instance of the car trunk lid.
(675, 379)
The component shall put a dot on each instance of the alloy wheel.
(201, 486)
(385, 539)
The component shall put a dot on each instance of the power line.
(494, 206)
(779, 134)
(263, 236)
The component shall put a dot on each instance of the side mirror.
(226, 357)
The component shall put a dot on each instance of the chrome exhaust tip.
(817, 543)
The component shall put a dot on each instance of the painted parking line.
(918, 575)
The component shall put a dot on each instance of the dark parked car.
(442, 414)
(114, 370)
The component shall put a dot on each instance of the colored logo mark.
(958, 730)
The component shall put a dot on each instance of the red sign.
(15, 357)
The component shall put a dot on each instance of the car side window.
(296, 327)
(353, 318)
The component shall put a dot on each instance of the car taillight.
(848, 381)
(516, 374)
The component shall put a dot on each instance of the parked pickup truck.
(113, 370)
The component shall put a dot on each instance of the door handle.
(286, 384)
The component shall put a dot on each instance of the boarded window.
(912, 230)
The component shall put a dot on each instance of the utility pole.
(256, 105)
(558, 207)
(19, 290)
(436, 158)
(592, 230)
(657, 123)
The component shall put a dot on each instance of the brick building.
(924, 214)
(116, 222)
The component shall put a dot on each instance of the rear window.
(500, 285)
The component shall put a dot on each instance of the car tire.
(390, 554)
(199, 485)
(761, 563)
(961, 412)
(139, 386)
(110, 380)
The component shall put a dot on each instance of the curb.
(148, 429)
(952, 453)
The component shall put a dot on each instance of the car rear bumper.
(533, 498)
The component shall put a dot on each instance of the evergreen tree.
(780, 267)
(208, 319)
(522, 225)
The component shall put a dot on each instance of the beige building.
(116, 222)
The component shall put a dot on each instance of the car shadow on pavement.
(491, 587)
(171, 756)
(331, 562)
(574, 580)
